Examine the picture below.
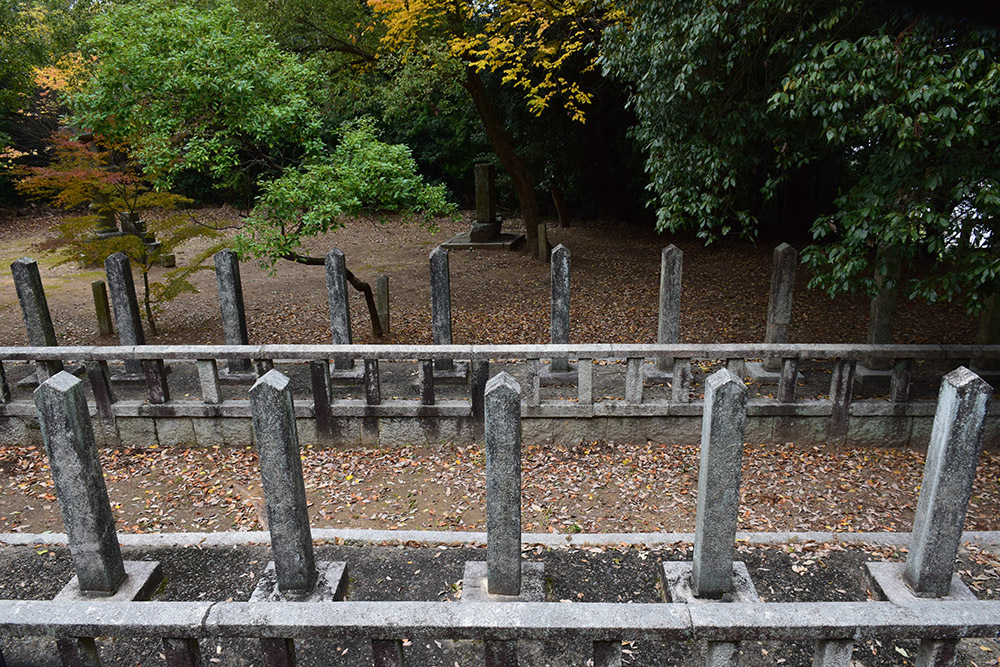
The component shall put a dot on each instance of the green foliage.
(194, 88)
(23, 39)
(361, 173)
(735, 98)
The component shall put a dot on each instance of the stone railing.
(386, 394)
(711, 598)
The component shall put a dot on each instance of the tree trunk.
(557, 201)
(523, 185)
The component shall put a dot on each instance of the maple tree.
(539, 47)
(97, 173)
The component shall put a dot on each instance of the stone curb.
(430, 537)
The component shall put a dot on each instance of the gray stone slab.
(779, 305)
(457, 374)
(678, 584)
(475, 585)
(281, 476)
(559, 317)
(503, 484)
(340, 308)
(889, 584)
(79, 481)
(234, 319)
(668, 324)
(949, 472)
(550, 376)
(722, 438)
(441, 303)
(761, 375)
(331, 584)
(142, 580)
(125, 306)
(504, 241)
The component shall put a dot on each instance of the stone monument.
(485, 233)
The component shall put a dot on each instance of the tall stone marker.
(340, 309)
(76, 470)
(234, 318)
(125, 306)
(35, 308)
(284, 491)
(779, 305)
(722, 429)
(503, 485)
(952, 457)
(441, 303)
(487, 226)
(559, 272)
(668, 329)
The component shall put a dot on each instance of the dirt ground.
(497, 297)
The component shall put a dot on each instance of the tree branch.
(355, 282)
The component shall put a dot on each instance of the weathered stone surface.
(723, 426)
(125, 305)
(441, 303)
(779, 305)
(34, 307)
(952, 457)
(486, 205)
(560, 303)
(833, 653)
(340, 308)
(284, 489)
(668, 329)
(382, 302)
(234, 318)
(102, 307)
(76, 470)
(503, 485)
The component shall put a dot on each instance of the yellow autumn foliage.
(537, 46)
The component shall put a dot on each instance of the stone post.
(882, 313)
(722, 429)
(284, 490)
(952, 457)
(543, 243)
(125, 305)
(503, 485)
(340, 309)
(560, 303)
(234, 318)
(35, 309)
(779, 305)
(486, 203)
(668, 331)
(102, 308)
(441, 303)
(76, 470)
(106, 226)
(382, 302)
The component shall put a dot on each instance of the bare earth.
(499, 297)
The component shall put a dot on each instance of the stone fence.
(710, 599)
(392, 395)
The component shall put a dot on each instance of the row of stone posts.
(713, 574)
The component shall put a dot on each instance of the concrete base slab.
(755, 369)
(244, 377)
(331, 585)
(550, 378)
(864, 374)
(347, 376)
(459, 374)
(888, 584)
(30, 381)
(532, 583)
(463, 241)
(654, 375)
(677, 586)
(143, 578)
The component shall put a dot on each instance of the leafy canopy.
(189, 88)
(735, 98)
